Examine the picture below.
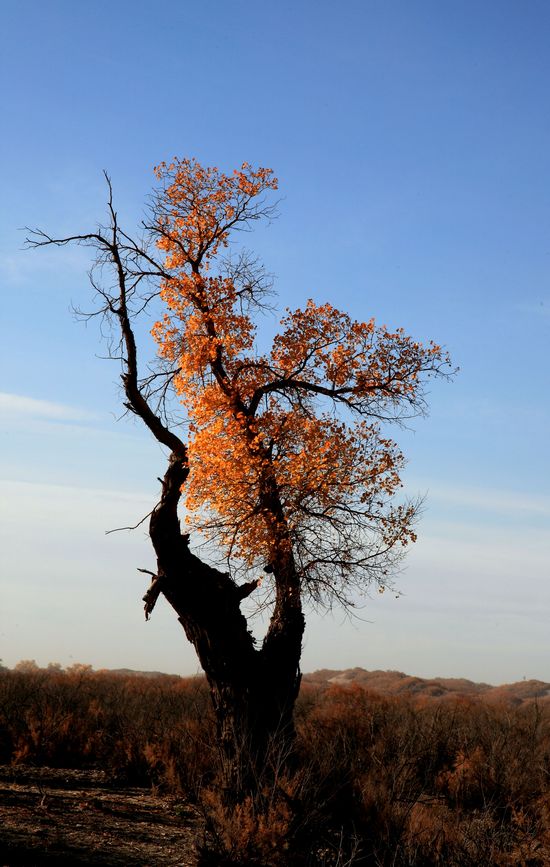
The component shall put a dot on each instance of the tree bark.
(253, 690)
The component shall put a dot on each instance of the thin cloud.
(22, 492)
(491, 500)
(17, 406)
(25, 267)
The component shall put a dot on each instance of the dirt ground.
(74, 818)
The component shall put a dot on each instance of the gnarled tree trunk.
(253, 689)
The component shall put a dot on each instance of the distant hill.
(131, 672)
(390, 683)
(398, 683)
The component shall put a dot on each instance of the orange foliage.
(271, 462)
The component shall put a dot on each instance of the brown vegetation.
(398, 683)
(374, 780)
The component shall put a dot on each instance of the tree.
(286, 467)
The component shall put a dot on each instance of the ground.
(71, 818)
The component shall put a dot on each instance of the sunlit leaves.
(285, 449)
(197, 207)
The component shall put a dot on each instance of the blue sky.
(412, 143)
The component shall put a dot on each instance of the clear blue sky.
(412, 143)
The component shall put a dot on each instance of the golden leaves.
(266, 447)
(198, 206)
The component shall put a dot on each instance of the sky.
(412, 146)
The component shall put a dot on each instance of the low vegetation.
(374, 780)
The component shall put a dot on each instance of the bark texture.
(253, 689)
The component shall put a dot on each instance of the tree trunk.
(253, 690)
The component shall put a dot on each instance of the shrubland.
(372, 779)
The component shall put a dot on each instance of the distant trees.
(280, 457)
(26, 666)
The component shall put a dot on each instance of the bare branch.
(134, 527)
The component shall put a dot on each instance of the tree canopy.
(304, 420)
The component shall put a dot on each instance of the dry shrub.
(139, 729)
(373, 780)
(469, 782)
(433, 782)
(253, 832)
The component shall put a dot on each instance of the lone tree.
(284, 466)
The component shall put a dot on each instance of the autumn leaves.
(302, 421)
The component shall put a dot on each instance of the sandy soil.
(74, 818)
